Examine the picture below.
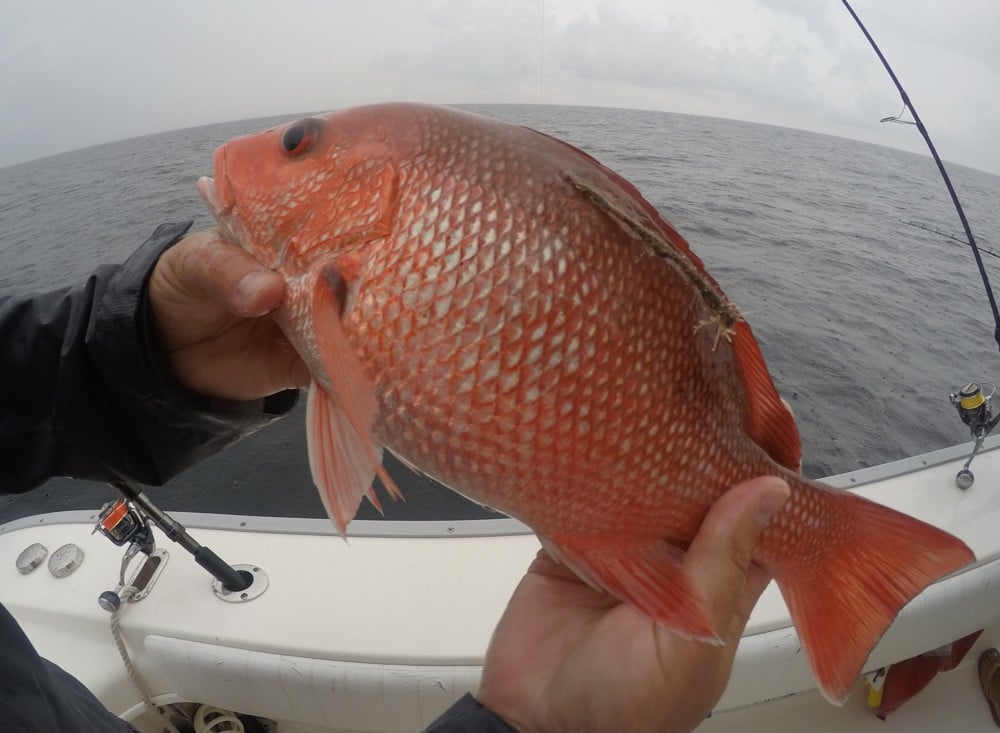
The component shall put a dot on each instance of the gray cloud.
(74, 74)
(624, 48)
(816, 15)
(485, 41)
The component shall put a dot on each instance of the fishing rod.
(907, 104)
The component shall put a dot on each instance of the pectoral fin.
(343, 455)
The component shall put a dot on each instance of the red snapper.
(511, 317)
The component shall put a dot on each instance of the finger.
(297, 373)
(206, 265)
(719, 557)
(545, 564)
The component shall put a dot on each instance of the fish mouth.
(210, 195)
(218, 196)
(221, 210)
(215, 195)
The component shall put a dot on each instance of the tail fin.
(841, 598)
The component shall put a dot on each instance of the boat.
(384, 631)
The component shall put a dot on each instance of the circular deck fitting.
(258, 584)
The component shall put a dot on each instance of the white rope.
(133, 673)
(214, 720)
(206, 720)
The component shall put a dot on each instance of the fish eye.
(299, 137)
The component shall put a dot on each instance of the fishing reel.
(975, 410)
(123, 523)
(129, 520)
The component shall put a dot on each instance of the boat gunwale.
(468, 527)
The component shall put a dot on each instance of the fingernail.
(773, 499)
(250, 285)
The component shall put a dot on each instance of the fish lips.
(221, 211)
(219, 197)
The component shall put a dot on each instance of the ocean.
(867, 320)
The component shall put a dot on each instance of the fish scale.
(518, 408)
(512, 318)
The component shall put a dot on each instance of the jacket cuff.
(468, 716)
(178, 427)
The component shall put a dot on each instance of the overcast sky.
(75, 73)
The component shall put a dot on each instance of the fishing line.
(907, 104)
(953, 238)
(895, 118)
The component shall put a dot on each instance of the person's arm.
(86, 391)
(469, 716)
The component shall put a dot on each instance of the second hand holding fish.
(565, 657)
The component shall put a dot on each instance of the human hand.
(567, 658)
(209, 302)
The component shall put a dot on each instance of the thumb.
(719, 558)
(205, 265)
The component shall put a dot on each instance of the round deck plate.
(256, 588)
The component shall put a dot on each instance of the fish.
(511, 317)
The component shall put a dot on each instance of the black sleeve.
(81, 393)
(36, 695)
(468, 716)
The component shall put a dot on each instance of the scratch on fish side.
(725, 313)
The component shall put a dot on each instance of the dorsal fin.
(769, 422)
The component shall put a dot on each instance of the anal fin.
(647, 574)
